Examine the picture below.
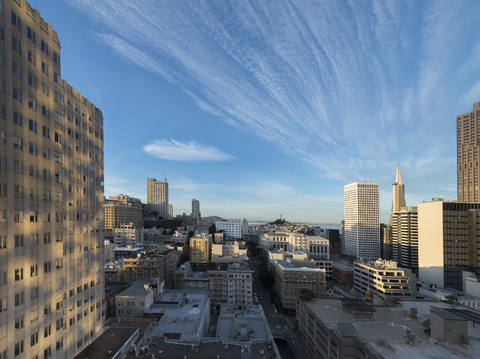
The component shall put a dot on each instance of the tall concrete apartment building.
(362, 220)
(51, 197)
(195, 207)
(122, 209)
(448, 242)
(157, 197)
(468, 144)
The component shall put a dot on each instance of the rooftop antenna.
(165, 175)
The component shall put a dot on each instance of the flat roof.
(112, 339)
(252, 317)
(391, 323)
(290, 266)
(207, 351)
(343, 266)
(137, 289)
(178, 317)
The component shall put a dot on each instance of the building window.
(17, 118)
(30, 34)
(31, 57)
(17, 143)
(45, 68)
(15, 20)
(32, 147)
(17, 167)
(32, 125)
(44, 46)
(16, 69)
(18, 274)
(32, 80)
(56, 58)
(16, 45)
(17, 94)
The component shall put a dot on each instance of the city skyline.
(261, 111)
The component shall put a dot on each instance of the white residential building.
(362, 220)
(157, 197)
(127, 235)
(286, 241)
(319, 247)
(235, 228)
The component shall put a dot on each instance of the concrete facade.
(51, 202)
(290, 277)
(234, 228)
(157, 197)
(362, 220)
(468, 144)
(201, 249)
(448, 242)
(405, 238)
(384, 279)
(122, 209)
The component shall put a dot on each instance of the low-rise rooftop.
(182, 312)
(140, 288)
(252, 318)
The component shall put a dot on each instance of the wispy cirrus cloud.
(184, 151)
(349, 87)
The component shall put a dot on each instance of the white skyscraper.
(362, 220)
(157, 197)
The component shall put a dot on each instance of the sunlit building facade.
(51, 197)
(468, 144)
(362, 220)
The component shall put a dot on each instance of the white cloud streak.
(346, 86)
(184, 151)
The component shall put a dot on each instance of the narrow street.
(275, 320)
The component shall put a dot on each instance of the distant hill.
(211, 218)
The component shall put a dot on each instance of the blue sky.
(261, 108)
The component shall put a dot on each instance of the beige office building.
(51, 197)
(468, 142)
(122, 209)
(157, 197)
(448, 242)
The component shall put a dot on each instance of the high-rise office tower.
(157, 197)
(362, 220)
(51, 197)
(448, 242)
(468, 144)
(398, 202)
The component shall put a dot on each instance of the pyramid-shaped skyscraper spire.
(398, 195)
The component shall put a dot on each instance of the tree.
(306, 294)
(267, 279)
(450, 299)
(275, 298)
(154, 214)
(184, 258)
(212, 229)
